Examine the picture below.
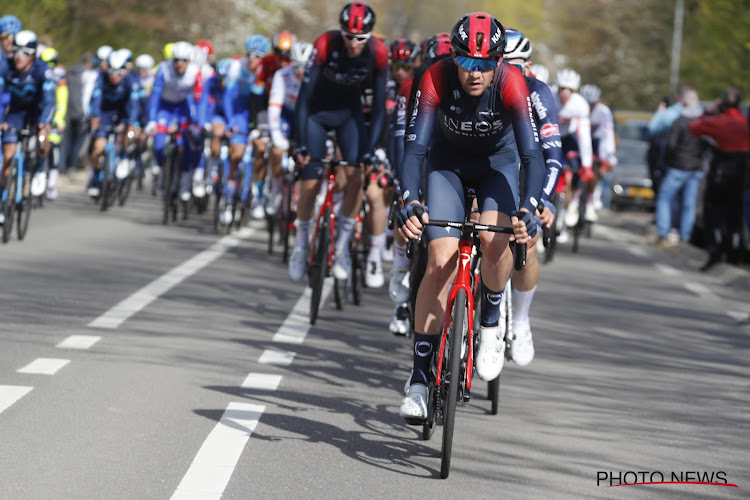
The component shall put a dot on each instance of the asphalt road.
(144, 361)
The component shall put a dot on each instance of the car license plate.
(641, 192)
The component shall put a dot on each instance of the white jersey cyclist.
(281, 102)
(603, 133)
(573, 119)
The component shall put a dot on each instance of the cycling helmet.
(182, 50)
(144, 61)
(438, 45)
(478, 35)
(102, 53)
(128, 55)
(540, 72)
(167, 50)
(222, 67)
(283, 42)
(197, 55)
(257, 43)
(10, 25)
(517, 45)
(301, 52)
(357, 18)
(25, 39)
(568, 79)
(206, 46)
(403, 51)
(591, 93)
(49, 55)
(117, 60)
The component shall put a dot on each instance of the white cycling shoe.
(414, 405)
(522, 346)
(571, 216)
(38, 183)
(342, 263)
(400, 323)
(491, 353)
(590, 213)
(298, 263)
(374, 277)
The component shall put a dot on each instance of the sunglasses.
(180, 60)
(402, 66)
(355, 38)
(24, 51)
(118, 72)
(255, 54)
(5, 36)
(476, 64)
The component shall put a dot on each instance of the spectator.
(684, 162)
(728, 132)
(75, 129)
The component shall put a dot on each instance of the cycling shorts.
(350, 133)
(240, 122)
(494, 178)
(17, 120)
(108, 120)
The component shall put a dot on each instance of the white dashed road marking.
(9, 394)
(297, 324)
(262, 381)
(79, 342)
(667, 270)
(44, 366)
(278, 358)
(701, 291)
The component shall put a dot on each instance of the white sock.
(345, 233)
(521, 305)
(303, 233)
(377, 242)
(400, 260)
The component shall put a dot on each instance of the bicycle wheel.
(23, 209)
(218, 207)
(287, 223)
(580, 226)
(428, 427)
(10, 200)
(104, 190)
(319, 269)
(123, 189)
(451, 378)
(168, 174)
(271, 227)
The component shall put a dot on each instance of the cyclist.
(575, 130)
(115, 101)
(202, 54)
(540, 72)
(29, 83)
(602, 143)
(144, 65)
(242, 101)
(38, 184)
(172, 102)
(344, 62)
(474, 114)
(9, 26)
(517, 53)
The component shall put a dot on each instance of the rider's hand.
(4, 126)
(409, 224)
(524, 226)
(301, 156)
(547, 217)
(586, 174)
(95, 121)
(150, 128)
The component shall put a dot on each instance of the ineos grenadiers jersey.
(171, 87)
(122, 98)
(497, 123)
(545, 116)
(398, 124)
(32, 92)
(573, 119)
(333, 81)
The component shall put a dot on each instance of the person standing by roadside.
(683, 162)
(722, 213)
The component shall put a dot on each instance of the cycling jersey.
(603, 133)
(268, 67)
(171, 89)
(206, 71)
(497, 125)
(573, 120)
(121, 100)
(281, 103)
(31, 97)
(333, 83)
(209, 108)
(545, 117)
(243, 99)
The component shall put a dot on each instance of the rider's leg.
(377, 221)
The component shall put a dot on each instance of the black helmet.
(478, 35)
(357, 18)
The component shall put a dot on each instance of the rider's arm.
(275, 103)
(205, 105)
(309, 82)
(398, 124)
(61, 99)
(134, 103)
(231, 90)
(47, 104)
(419, 134)
(380, 79)
(3, 103)
(515, 96)
(156, 90)
(583, 134)
(545, 116)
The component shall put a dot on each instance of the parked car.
(631, 184)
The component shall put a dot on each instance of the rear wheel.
(286, 220)
(580, 226)
(123, 189)
(24, 208)
(319, 269)
(452, 377)
(167, 173)
(10, 202)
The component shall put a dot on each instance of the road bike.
(17, 197)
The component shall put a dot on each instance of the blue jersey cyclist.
(344, 61)
(474, 113)
(211, 118)
(9, 26)
(115, 101)
(31, 97)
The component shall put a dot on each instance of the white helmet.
(117, 60)
(103, 52)
(517, 46)
(591, 93)
(198, 56)
(127, 53)
(540, 72)
(144, 61)
(182, 50)
(568, 79)
(301, 52)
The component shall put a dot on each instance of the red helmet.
(438, 45)
(357, 18)
(403, 51)
(282, 43)
(478, 35)
(206, 46)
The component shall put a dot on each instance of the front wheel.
(319, 269)
(452, 362)
(10, 201)
(24, 209)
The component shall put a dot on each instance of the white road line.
(79, 342)
(44, 366)
(262, 381)
(209, 474)
(297, 324)
(701, 291)
(739, 316)
(637, 251)
(667, 270)
(278, 358)
(143, 297)
(9, 394)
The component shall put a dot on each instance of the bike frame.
(327, 203)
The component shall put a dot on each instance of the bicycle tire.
(271, 227)
(288, 220)
(455, 338)
(339, 291)
(428, 427)
(217, 210)
(104, 191)
(319, 269)
(24, 209)
(580, 226)
(167, 186)
(123, 190)
(10, 200)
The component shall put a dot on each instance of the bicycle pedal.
(466, 396)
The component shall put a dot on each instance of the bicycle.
(17, 195)
(171, 174)
(287, 212)
(115, 172)
(453, 362)
(358, 248)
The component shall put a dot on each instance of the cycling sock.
(521, 305)
(400, 260)
(345, 234)
(377, 242)
(491, 306)
(303, 233)
(424, 346)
